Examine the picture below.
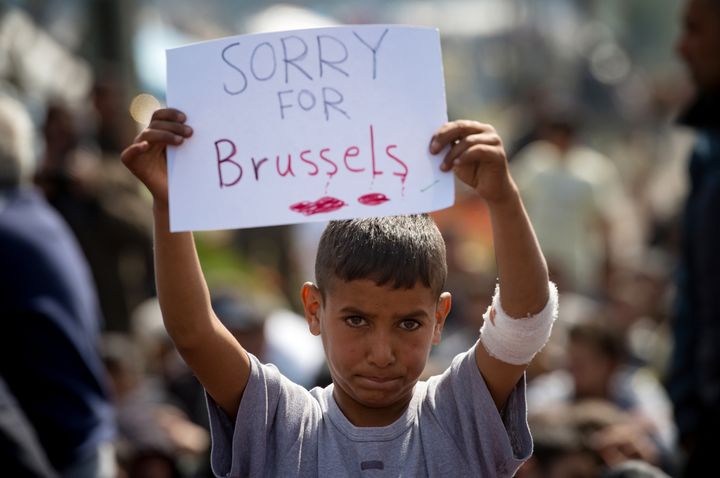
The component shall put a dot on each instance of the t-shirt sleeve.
(274, 417)
(461, 402)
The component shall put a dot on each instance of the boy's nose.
(380, 352)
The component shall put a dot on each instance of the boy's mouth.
(378, 382)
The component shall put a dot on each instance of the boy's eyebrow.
(413, 314)
(348, 309)
(417, 313)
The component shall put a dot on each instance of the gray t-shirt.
(450, 429)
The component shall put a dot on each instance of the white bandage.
(516, 341)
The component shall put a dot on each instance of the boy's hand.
(146, 159)
(477, 156)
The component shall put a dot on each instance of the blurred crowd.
(89, 378)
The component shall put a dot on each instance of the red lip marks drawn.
(373, 199)
(330, 204)
(324, 204)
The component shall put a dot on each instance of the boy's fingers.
(155, 136)
(169, 114)
(159, 133)
(474, 154)
(458, 148)
(462, 145)
(455, 130)
(172, 126)
(133, 151)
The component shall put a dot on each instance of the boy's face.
(377, 341)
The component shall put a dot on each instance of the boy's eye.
(409, 324)
(355, 321)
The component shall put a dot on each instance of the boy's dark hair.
(397, 250)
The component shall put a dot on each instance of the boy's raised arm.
(478, 158)
(209, 349)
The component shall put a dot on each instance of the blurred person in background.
(579, 440)
(577, 202)
(163, 368)
(49, 346)
(83, 110)
(634, 469)
(694, 376)
(156, 438)
(162, 410)
(598, 368)
(559, 450)
(101, 202)
(21, 453)
(474, 295)
(274, 335)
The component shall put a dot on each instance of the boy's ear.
(312, 302)
(443, 309)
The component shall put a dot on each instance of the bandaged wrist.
(516, 341)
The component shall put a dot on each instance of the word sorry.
(307, 59)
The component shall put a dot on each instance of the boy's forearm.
(522, 270)
(210, 350)
(182, 291)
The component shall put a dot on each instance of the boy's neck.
(364, 416)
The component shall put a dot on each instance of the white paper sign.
(307, 125)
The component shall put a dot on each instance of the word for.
(301, 59)
(307, 100)
(308, 162)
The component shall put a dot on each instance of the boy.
(378, 308)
